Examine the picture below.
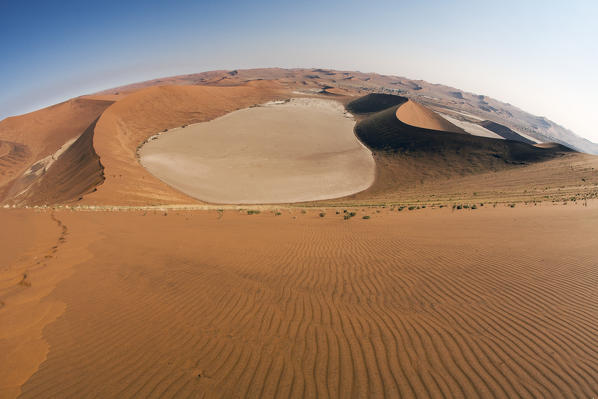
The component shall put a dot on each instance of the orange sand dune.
(72, 174)
(124, 126)
(417, 115)
(495, 302)
(39, 134)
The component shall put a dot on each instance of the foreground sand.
(299, 150)
(496, 302)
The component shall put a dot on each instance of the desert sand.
(495, 302)
(292, 151)
(466, 269)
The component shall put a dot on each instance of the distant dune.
(388, 129)
(414, 114)
(40, 169)
(408, 156)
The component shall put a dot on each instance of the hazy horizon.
(540, 58)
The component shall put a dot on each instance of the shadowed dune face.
(505, 132)
(67, 175)
(296, 151)
(374, 102)
(408, 156)
(385, 131)
(32, 137)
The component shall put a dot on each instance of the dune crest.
(414, 114)
(128, 123)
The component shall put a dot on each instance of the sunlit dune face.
(299, 150)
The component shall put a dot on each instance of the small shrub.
(459, 206)
(253, 212)
(303, 211)
(349, 215)
(423, 206)
(466, 206)
(401, 208)
(512, 205)
(366, 217)
(277, 213)
(322, 214)
(411, 208)
(474, 206)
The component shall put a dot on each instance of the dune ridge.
(65, 177)
(408, 156)
(40, 134)
(124, 126)
(414, 114)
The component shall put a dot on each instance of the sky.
(541, 56)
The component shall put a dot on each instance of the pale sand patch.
(280, 152)
(472, 128)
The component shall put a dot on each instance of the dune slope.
(125, 126)
(505, 132)
(374, 102)
(407, 155)
(384, 130)
(488, 303)
(72, 174)
(414, 114)
(40, 134)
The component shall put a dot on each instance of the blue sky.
(540, 56)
